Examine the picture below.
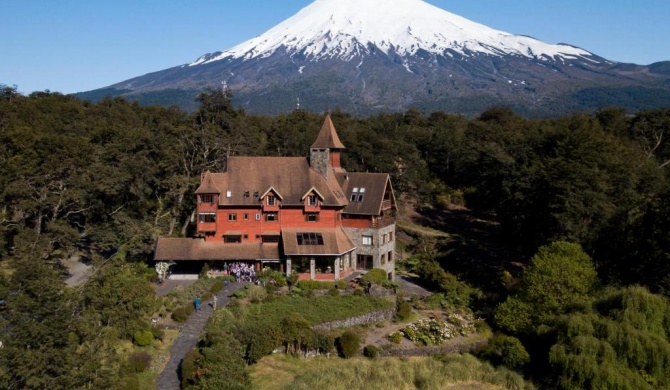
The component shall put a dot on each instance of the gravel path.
(189, 337)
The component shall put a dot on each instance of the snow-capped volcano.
(346, 28)
(367, 56)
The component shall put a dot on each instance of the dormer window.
(207, 198)
(229, 194)
(312, 200)
(271, 200)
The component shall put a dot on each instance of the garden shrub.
(256, 294)
(204, 271)
(375, 276)
(143, 338)
(507, 351)
(129, 382)
(334, 292)
(395, 337)
(206, 297)
(157, 333)
(349, 343)
(359, 292)
(217, 286)
(189, 367)
(138, 362)
(306, 285)
(371, 351)
(179, 314)
(341, 284)
(403, 310)
(268, 275)
(324, 341)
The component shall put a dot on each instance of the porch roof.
(184, 249)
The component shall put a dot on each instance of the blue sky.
(78, 45)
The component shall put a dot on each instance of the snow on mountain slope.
(345, 28)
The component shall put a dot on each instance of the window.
(232, 239)
(383, 260)
(246, 216)
(312, 200)
(232, 217)
(367, 240)
(353, 198)
(312, 217)
(390, 236)
(383, 239)
(207, 218)
(362, 190)
(390, 256)
(271, 200)
(246, 194)
(360, 198)
(272, 238)
(229, 194)
(271, 217)
(206, 198)
(309, 238)
(258, 216)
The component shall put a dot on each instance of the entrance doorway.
(364, 262)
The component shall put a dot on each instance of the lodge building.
(292, 214)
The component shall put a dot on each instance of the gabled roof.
(207, 185)
(328, 138)
(335, 242)
(375, 185)
(289, 176)
(312, 190)
(274, 191)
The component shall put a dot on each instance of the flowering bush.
(430, 331)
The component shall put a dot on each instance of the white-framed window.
(206, 218)
(367, 240)
(258, 216)
(312, 200)
(229, 194)
(232, 217)
(312, 217)
(271, 200)
(271, 217)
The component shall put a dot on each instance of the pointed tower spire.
(328, 138)
(325, 152)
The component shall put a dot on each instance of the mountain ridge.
(367, 56)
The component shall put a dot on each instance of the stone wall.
(375, 316)
(436, 351)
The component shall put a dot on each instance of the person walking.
(196, 302)
(214, 300)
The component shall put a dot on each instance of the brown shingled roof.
(174, 249)
(207, 185)
(335, 242)
(291, 177)
(375, 187)
(328, 138)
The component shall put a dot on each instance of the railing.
(378, 223)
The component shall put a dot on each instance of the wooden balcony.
(386, 205)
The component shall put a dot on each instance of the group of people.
(243, 272)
